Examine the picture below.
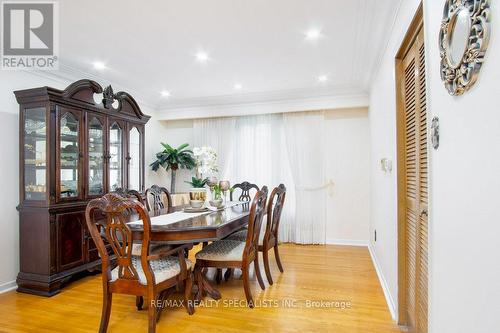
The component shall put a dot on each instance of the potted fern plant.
(198, 192)
(174, 159)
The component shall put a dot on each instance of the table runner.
(181, 216)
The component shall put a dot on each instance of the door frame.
(414, 28)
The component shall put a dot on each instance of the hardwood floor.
(314, 273)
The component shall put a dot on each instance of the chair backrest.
(158, 198)
(115, 210)
(257, 211)
(132, 194)
(274, 210)
(245, 188)
(135, 195)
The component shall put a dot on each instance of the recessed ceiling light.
(313, 34)
(238, 86)
(99, 65)
(322, 78)
(165, 93)
(202, 56)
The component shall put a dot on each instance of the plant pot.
(198, 194)
(196, 203)
(217, 203)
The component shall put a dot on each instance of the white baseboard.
(383, 283)
(349, 242)
(8, 286)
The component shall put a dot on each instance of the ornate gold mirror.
(463, 41)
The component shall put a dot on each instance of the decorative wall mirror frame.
(463, 41)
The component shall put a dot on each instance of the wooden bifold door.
(412, 181)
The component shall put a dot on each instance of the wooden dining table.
(208, 227)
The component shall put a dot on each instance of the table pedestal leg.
(204, 287)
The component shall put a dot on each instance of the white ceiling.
(149, 46)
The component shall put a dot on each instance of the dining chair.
(235, 254)
(158, 198)
(245, 188)
(129, 194)
(137, 247)
(270, 239)
(150, 274)
(246, 196)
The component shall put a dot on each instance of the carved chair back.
(158, 198)
(257, 211)
(135, 195)
(115, 210)
(245, 188)
(132, 194)
(274, 210)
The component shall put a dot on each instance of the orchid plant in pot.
(206, 161)
(206, 166)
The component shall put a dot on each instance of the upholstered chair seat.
(163, 269)
(223, 250)
(238, 235)
(242, 236)
(153, 248)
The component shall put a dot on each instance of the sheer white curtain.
(260, 157)
(273, 149)
(216, 133)
(258, 152)
(304, 132)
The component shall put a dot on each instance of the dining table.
(177, 227)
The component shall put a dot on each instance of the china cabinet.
(75, 145)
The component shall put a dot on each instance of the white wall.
(9, 183)
(465, 193)
(348, 160)
(464, 217)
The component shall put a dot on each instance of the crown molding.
(259, 97)
(382, 52)
(353, 99)
(68, 74)
(360, 40)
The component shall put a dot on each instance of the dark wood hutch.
(72, 149)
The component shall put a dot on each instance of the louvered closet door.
(416, 185)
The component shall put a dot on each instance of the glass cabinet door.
(35, 158)
(95, 144)
(69, 154)
(134, 159)
(115, 156)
